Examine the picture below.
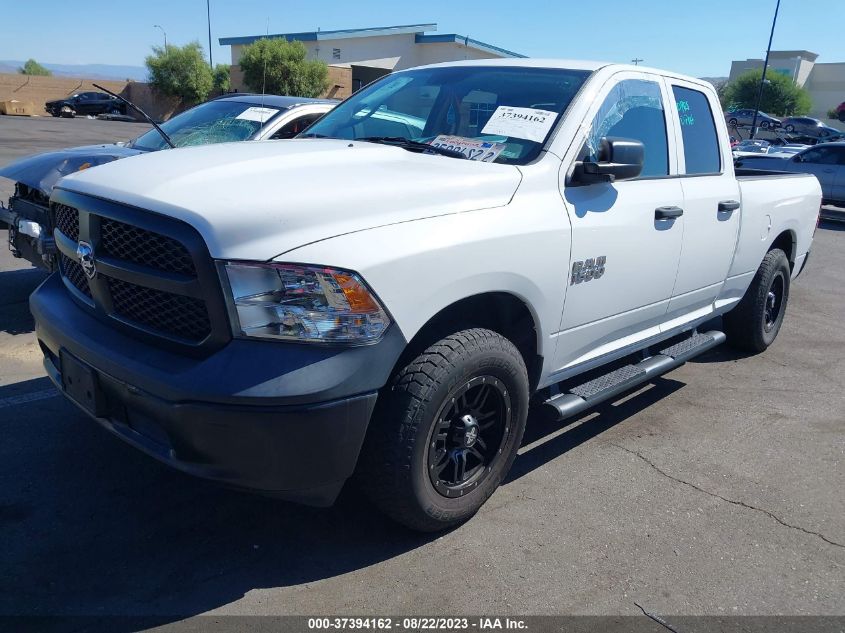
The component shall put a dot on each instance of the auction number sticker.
(484, 151)
(257, 114)
(528, 123)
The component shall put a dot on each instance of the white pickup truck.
(371, 304)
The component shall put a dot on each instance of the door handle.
(668, 213)
(728, 205)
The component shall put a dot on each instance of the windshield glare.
(514, 109)
(211, 122)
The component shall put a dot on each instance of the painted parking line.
(33, 396)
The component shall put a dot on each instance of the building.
(358, 56)
(825, 82)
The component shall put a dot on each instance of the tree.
(280, 67)
(32, 67)
(781, 96)
(222, 81)
(180, 72)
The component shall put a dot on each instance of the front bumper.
(282, 419)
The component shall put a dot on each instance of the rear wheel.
(789, 128)
(446, 431)
(755, 322)
(732, 122)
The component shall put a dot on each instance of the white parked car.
(358, 302)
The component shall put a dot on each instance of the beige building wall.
(826, 86)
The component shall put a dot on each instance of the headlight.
(304, 303)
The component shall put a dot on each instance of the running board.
(591, 393)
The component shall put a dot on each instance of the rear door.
(624, 251)
(711, 202)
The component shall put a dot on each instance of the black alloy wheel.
(774, 302)
(468, 436)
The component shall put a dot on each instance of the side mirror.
(619, 159)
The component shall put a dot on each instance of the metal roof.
(466, 41)
(306, 36)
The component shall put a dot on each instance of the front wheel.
(446, 430)
(755, 322)
(765, 125)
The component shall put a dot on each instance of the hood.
(41, 172)
(259, 200)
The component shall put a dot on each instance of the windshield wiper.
(406, 143)
(312, 135)
(141, 112)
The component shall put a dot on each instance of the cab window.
(701, 144)
(633, 110)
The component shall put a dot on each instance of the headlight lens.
(304, 303)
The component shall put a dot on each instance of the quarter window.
(633, 110)
(701, 144)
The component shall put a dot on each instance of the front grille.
(134, 244)
(154, 275)
(75, 275)
(67, 221)
(165, 312)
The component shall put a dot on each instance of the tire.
(764, 125)
(67, 112)
(789, 128)
(755, 322)
(732, 122)
(417, 464)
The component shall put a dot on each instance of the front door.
(625, 241)
(711, 203)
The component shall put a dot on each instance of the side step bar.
(591, 393)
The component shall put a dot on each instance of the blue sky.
(698, 38)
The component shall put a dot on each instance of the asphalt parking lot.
(716, 490)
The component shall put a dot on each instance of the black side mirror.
(619, 159)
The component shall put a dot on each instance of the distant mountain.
(715, 80)
(86, 71)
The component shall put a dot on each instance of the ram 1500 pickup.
(369, 305)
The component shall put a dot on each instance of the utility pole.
(208, 13)
(763, 76)
(156, 26)
(636, 61)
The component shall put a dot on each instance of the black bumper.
(282, 419)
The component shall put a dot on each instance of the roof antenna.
(264, 74)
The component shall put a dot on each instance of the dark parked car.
(746, 117)
(236, 117)
(808, 126)
(85, 103)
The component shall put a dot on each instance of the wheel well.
(787, 242)
(498, 311)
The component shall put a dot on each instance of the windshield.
(487, 113)
(211, 122)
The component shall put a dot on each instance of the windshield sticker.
(255, 113)
(528, 123)
(483, 151)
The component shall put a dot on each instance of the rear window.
(701, 145)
